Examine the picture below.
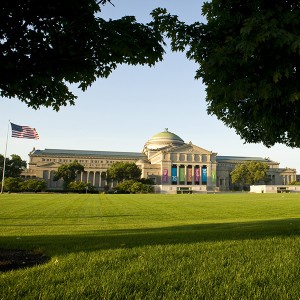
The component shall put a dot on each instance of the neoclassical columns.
(189, 174)
(92, 177)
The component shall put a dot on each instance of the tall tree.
(249, 173)
(13, 166)
(240, 174)
(121, 171)
(249, 58)
(68, 172)
(46, 45)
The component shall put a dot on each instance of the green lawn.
(216, 246)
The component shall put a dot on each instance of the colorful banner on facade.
(189, 174)
(174, 174)
(165, 176)
(213, 177)
(197, 174)
(181, 175)
(204, 175)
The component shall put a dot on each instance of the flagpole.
(4, 163)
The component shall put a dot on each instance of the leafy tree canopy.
(46, 45)
(13, 166)
(249, 58)
(68, 172)
(249, 173)
(124, 171)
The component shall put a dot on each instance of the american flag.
(23, 132)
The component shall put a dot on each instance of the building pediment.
(189, 148)
(200, 150)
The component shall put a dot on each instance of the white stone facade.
(274, 189)
(173, 165)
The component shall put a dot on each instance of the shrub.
(12, 184)
(33, 185)
(80, 187)
(132, 187)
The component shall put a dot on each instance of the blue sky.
(122, 112)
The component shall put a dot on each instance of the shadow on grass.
(129, 238)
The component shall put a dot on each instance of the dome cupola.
(162, 140)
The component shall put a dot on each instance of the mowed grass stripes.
(216, 246)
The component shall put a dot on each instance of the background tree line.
(13, 182)
(15, 185)
(126, 176)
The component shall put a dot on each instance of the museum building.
(173, 165)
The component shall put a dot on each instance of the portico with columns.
(183, 167)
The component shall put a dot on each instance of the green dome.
(166, 135)
(163, 139)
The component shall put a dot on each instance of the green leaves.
(124, 171)
(249, 173)
(133, 186)
(79, 187)
(68, 172)
(45, 47)
(13, 166)
(249, 59)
